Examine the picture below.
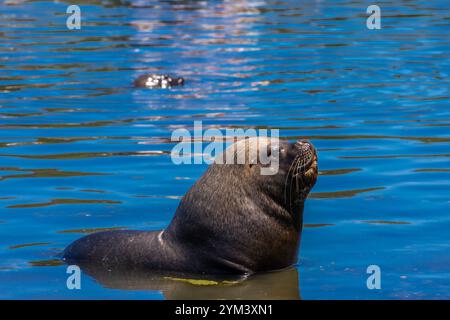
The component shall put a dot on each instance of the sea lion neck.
(276, 207)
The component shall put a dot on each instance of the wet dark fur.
(158, 81)
(232, 220)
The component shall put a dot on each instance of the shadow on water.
(282, 284)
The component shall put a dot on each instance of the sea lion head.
(285, 171)
(158, 81)
(297, 173)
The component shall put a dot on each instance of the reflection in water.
(337, 171)
(273, 285)
(446, 155)
(386, 222)
(82, 155)
(341, 194)
(317, 225)
(64, 201)
(90, 230)
(24, 245)
(46, 263)
(44, 173)
(432, 170)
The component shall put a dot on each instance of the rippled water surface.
(81, 149)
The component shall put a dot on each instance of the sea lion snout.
(303, 142)
(306, 152)
(302, 172)
(305, 147)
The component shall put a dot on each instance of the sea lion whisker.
(297, 178)
(302, 166)
(287, 177)
(287, 180)
(296, 162)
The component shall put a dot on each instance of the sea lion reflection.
(272, 285)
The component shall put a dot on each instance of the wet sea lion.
(233, 220)
(157, 81)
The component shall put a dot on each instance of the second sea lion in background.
(157, 81)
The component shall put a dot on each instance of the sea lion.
(157, 81)
(233, 220)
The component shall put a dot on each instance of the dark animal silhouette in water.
(157, 81)
(233, 220)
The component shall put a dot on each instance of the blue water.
(77, 141)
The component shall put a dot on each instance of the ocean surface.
(81, 150)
